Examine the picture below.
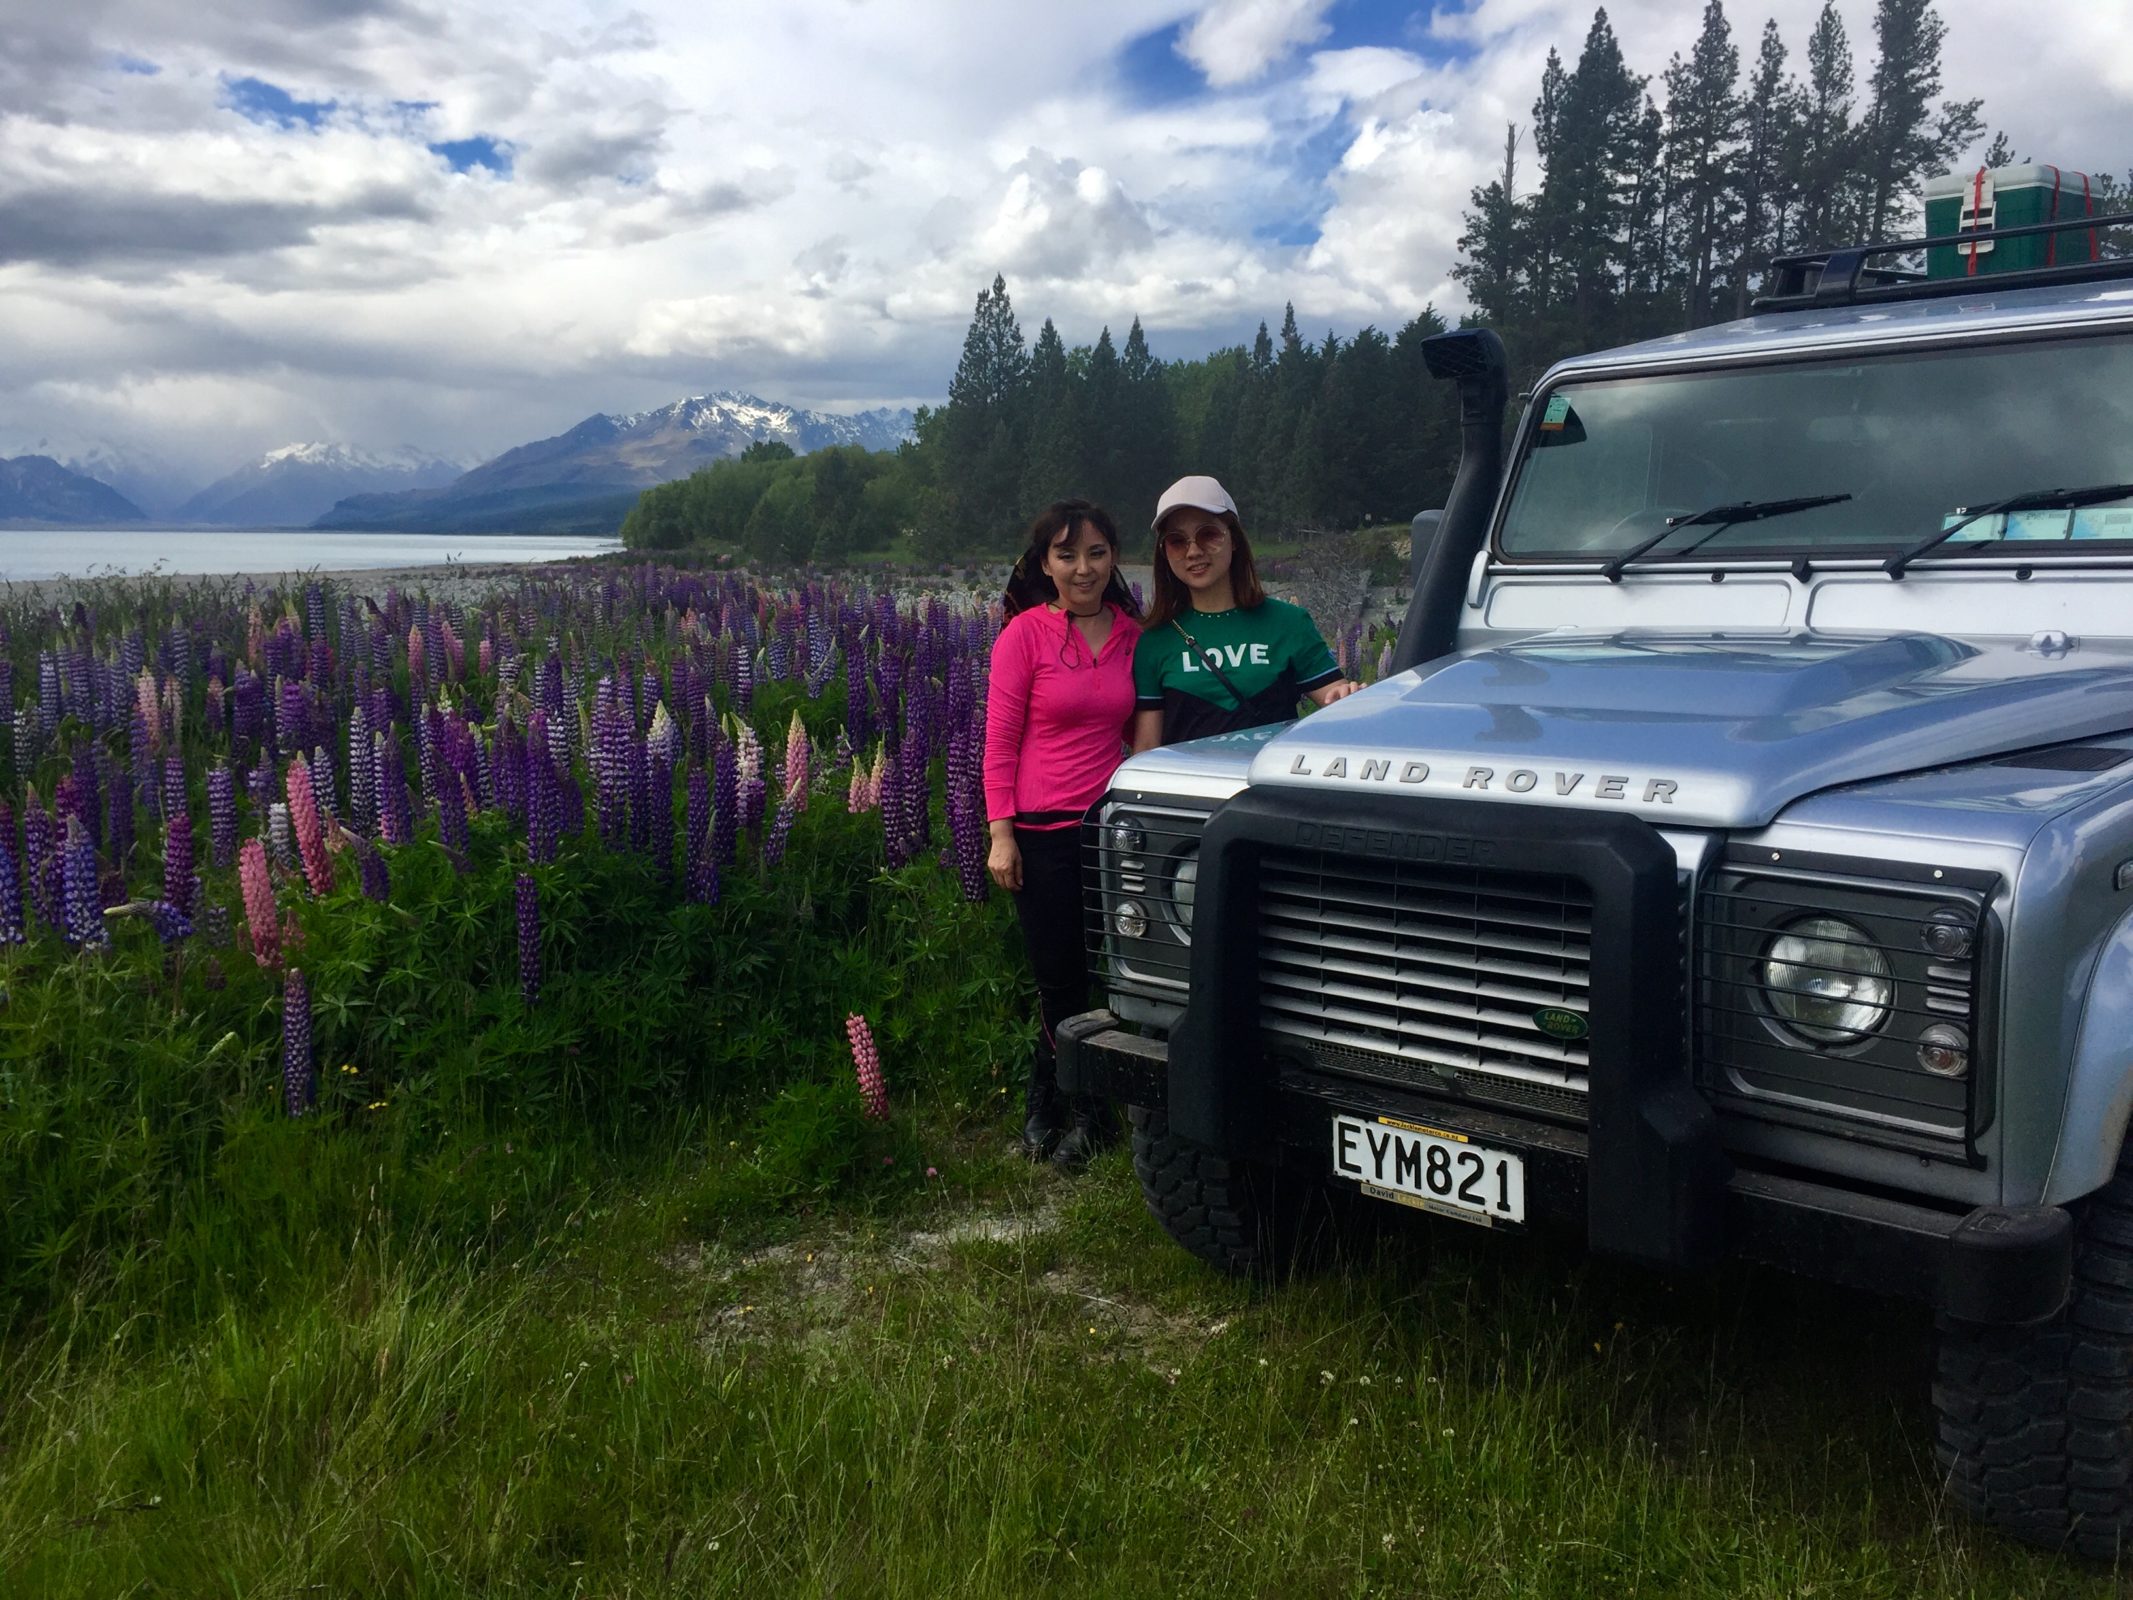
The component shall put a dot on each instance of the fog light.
(1129, 920)
(1948, 934)
(1128, 838)
(1944, 1050)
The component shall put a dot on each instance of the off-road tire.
(1240, 1217)
(2035, 1425)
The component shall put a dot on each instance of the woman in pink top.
(1057, 711)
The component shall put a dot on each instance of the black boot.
(1044, 1118)
(1091, 1130)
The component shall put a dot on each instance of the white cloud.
(1237, 41)
(804, 202)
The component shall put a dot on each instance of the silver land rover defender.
(1741, 864)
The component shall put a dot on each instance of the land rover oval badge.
(1558, 1023)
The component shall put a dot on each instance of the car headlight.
(1128, 837)
(1184, 884)
(1825, 981)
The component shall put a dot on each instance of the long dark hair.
(1029, 585)
(1171, 595)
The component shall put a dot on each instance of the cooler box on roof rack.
(2007, 197)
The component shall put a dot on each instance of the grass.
(676, 1380)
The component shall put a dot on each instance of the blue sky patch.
(463, 155)
(270, 105)
(135, 65)
(1154, 73)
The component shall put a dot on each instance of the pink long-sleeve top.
(1055, 717)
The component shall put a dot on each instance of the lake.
(33, 553)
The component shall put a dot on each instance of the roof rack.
(1842, 277)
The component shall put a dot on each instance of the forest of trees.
(1650, 209)
(1325, 433)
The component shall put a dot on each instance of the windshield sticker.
(1557, 414)
(2111, 524)
(2014, 525)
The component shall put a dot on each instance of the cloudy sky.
(460, 224)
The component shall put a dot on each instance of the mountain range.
(585, 479)
(39, 489)
(296, 485)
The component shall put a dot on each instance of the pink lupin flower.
(856, 795)
(259, 903)
(418, 676)
(310, 832)
(877, 777)
(146, 702)
(485, 658)
(799, 762)
(866, 1061)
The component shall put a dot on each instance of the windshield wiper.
(1718, 519)
(2034, 500)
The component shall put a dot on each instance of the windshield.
(1911, 438)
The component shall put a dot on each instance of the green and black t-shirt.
(1271, 655)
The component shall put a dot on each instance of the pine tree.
(1904, 141)
(1102, 423)
(1828, 138)
(1147, 427)
(1769, 144)
(1703, 119)
(1545, 225)
(1591, 174)
(1053, 469)
(985, 425)
(1492, 243)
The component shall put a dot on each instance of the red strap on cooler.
(1977, 204)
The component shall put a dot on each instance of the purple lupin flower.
(371, 872)
(40, 863)
(725, 803)
(299, 1075)
(529, 940)
(12, 930)
(699, 851)
(394, 825)
(659, 815)
(221, 815)
(321, 768)
(173, 786)
(171, 924)
(544, 804)
(780, 826)
(452, 817)
(362, 773)
(84, 911)
(178, 877)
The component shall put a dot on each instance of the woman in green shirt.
(1216, 653)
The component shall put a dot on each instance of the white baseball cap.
(1201, 493)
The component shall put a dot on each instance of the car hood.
(1704, 729)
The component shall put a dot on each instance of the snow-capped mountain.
(590, 474)
(746, 418)
(295, 485)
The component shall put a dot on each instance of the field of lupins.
(613, 842)
(511, 1097)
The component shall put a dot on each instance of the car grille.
(1396, 970)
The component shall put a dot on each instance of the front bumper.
(1993, 1264)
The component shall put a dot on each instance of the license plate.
(1430, 1169)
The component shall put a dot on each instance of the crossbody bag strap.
(1207, 658)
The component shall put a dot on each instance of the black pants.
(1050, 908)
